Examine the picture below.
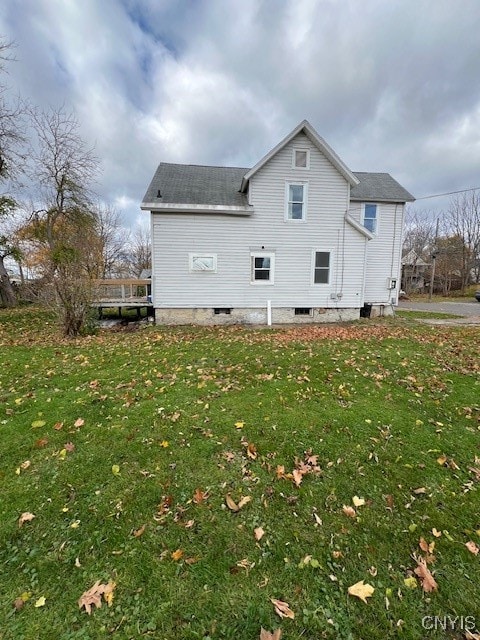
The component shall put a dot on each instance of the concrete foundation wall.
(284, 315)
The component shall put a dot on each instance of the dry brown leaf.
(425, 546)
(25, 517)
(199, 496)
(420, 491)
(259, 533)
(138, 532)
(280, 471)
(58, 425)
(79, 422)
(177, 555)
(358, 502)
(472, 547)
(18, 603)
(93, 597)
(471, 636)
(282, 609)
(436, 533)
(69, 446)
(252, 451)
(426, 578)
(349, 511)
(266, 635)
(244, 501)
(361, 590)
(231, 504)
(297, 476)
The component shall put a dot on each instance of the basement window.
(303, 311)
(222, 310)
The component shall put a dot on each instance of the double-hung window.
(321, 267)
(296, 200)
(370, 217)
(262, 268)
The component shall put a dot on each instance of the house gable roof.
(319, 142)
(378, 187)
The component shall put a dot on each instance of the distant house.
(299, 237)
(413, 272)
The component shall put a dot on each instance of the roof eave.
(359, 227)
(173, 207)
(386, 200)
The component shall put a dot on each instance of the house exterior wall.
(233, 238)
(384, 256)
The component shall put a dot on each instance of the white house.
(297, 238)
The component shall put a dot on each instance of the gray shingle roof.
(379, 187)
(197, 184)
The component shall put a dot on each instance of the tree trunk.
(7, 293)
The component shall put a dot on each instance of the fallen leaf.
(25, 517)
(138, 532)
(115, 469)
(69, 446)
(243, 501)
(231, 504)
(349, 511)
(199, 496)
(318, 520)
(420, 491)
(426, 578)
(239, 425)
(164, 444)
(425, 546)
(297, 476)
(280, 471)
(77, 563)
(93, 597)
(259, 533)
(472, 547)
(358, 502)
(361, 590)
(282, 609)
(177, 555)
(436, 533)
(25, 465)
(36, 424)
(441, 460)
(79, 422)
(58, 425)
(41, 442)
(266, 635)
(252, 451)
(40, 602)
(410, 582)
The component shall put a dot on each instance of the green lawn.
(124, 446)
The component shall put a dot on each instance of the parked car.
(477, 295)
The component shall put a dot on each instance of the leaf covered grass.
(130, 449)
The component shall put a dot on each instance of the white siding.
(233, 239)
(384, 254)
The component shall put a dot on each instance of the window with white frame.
(370, 217)
(262, 268)
(202, 262)
(301, 159)
(321, 267)
(296, 200)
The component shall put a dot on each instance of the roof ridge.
(203, 166)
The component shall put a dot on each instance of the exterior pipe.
(269, 313)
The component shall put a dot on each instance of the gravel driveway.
(466, 309)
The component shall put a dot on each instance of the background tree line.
(54, 232)
(445, 247)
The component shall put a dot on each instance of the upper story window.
(301, 159)
(296, 201)
(370, 217)
(262, 268)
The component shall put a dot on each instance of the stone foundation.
(283, 315)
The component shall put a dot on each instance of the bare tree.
(11, 163)
(64, 168)
(138, 254)
(463, 221)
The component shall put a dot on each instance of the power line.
(449, 193)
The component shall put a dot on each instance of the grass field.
(207, 471)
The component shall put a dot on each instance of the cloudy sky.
(392, 85)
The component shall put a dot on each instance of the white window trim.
(330, 267)
(193, 256)
(262, 254)
(294, 166)
(304, 184)
(375, 233)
